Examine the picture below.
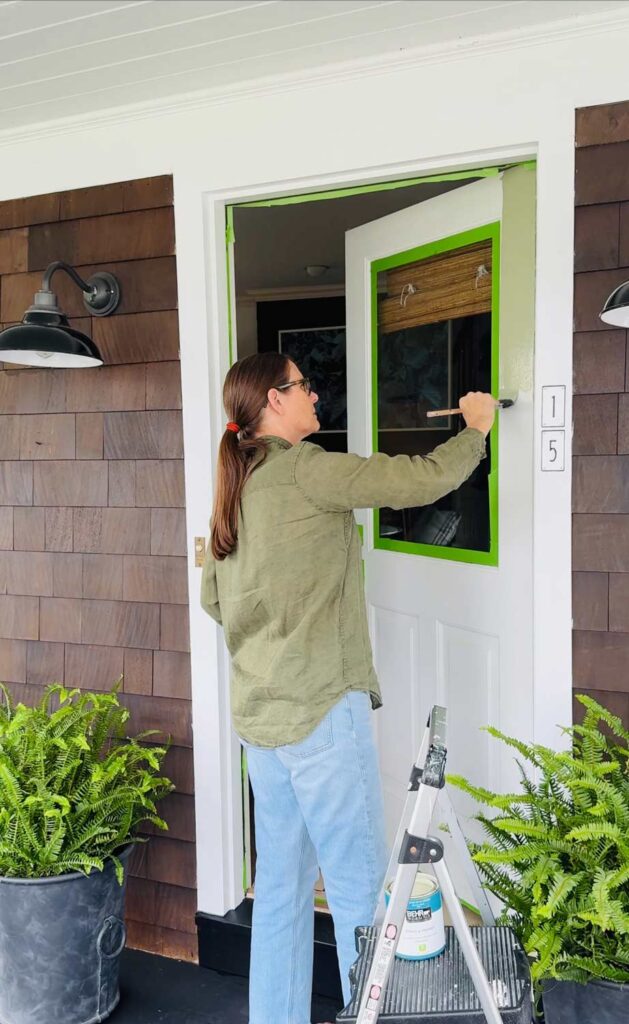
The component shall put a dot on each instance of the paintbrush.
(503, 403)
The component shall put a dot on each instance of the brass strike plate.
(199, 552)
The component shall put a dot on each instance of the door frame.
(552, 611)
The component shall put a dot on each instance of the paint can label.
(423, 932)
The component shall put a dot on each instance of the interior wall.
(93, 568)
(601, 412)
(275, 243)
(246, 327)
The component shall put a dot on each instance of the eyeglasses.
(304, 381)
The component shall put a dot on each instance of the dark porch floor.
(156, 990)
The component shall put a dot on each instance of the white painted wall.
(475, 107)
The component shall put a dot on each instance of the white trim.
(216, 750)
(552, 536)
(381, 64)
(355, 177)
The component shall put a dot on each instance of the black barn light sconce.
(45, 338)
(616, 309)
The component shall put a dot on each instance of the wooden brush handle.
(504, 403)
(442, 412)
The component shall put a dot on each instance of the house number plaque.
(554, 441)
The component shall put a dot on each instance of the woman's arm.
(336, 482)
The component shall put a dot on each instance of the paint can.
(423, 933)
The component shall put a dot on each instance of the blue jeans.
(318, 804)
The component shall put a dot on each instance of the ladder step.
(440, 990)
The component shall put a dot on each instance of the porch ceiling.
(66, 57)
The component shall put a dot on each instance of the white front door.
(449, 588)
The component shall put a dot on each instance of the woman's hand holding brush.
(478, 410)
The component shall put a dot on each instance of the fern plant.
(557, 853)
(73, 787)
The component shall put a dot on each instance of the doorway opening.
(289, 295)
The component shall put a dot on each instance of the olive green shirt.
(290, 596)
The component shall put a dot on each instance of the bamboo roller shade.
(447, 287)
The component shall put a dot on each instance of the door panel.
(450, 625)
(396, 651)
(468, 681)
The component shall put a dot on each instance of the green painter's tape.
(487, 231)
(230, 239)
(382, 186)
(313, 197)
(230, 234)
(470, 907)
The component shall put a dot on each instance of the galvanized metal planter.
(60, 945)
(598, 1002)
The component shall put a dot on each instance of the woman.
(283, 576)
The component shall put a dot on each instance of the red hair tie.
(235, 429)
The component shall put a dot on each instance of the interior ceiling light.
(45, 338)
(616, 309)
(316, 269)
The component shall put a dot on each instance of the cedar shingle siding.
(93, 577)
(601, 411)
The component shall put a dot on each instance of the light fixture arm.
(62, 265)
(101, 292)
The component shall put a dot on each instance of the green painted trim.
(382, 186)
(230, 239)
(486, 231)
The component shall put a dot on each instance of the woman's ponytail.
(244, 397)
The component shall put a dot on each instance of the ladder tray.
(440, 990)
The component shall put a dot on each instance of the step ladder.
(482, 976)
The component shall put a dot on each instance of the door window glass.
(435, 339)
